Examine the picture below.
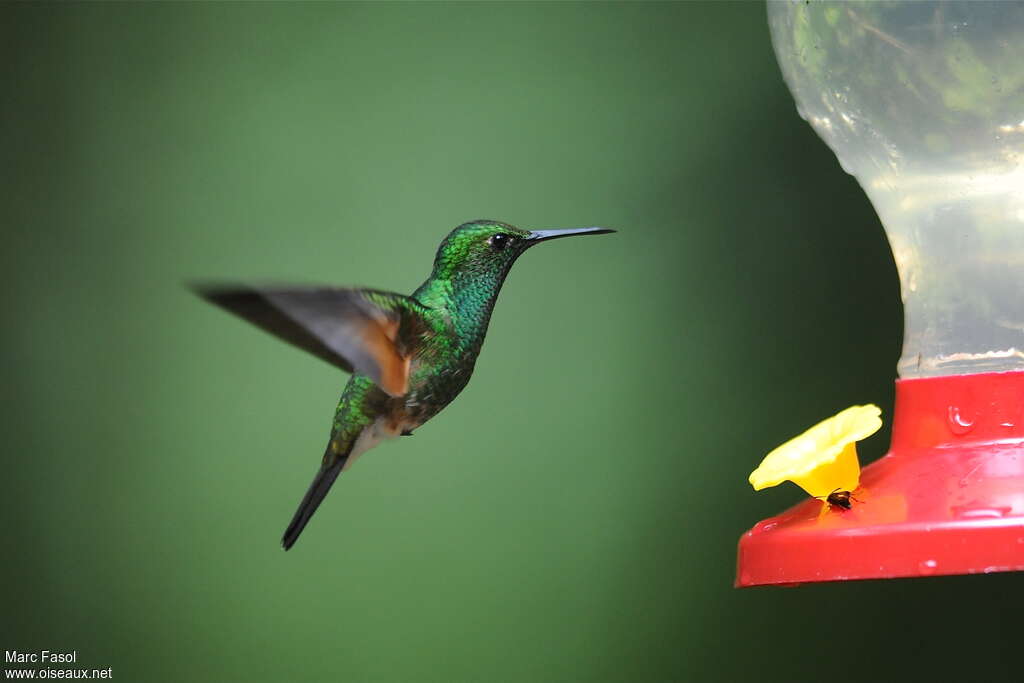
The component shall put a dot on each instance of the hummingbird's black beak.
(544, 235)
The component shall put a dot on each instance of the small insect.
(840, 498)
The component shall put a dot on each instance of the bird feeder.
(923, 102)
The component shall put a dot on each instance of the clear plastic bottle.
(923, 102)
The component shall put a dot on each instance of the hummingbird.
(409, 356)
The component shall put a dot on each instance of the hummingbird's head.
(487, 249)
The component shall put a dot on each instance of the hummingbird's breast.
(443, 361)
(433, 385)
(440, 369)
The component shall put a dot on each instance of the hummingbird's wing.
(365, 330)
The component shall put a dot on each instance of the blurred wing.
(355, 329)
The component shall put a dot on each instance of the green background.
(574, 514)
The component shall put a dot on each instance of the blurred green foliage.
(573, 516)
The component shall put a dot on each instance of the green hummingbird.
(409, 355)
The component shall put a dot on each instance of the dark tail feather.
(322, 483)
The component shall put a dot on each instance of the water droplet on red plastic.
(958, 424)
(927, 566)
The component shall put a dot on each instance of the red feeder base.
(948, 498)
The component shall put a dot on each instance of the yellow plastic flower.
(824, 458)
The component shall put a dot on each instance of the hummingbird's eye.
(499, 241)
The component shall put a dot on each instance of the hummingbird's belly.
(379, 430)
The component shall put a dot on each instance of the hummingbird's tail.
(333, 464)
